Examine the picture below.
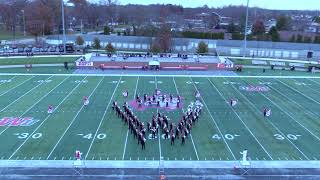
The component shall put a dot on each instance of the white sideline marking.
(160, 75)
(74, 118)
(16, 86)
(241, 120)
(23, 95)
(194, 147)
(214, 122)
(103, 116)
(36, 103)
(270, 121)
(294, 118)
(43, 121)
(159, 137)
(125, 145)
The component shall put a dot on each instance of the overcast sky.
(269, 4)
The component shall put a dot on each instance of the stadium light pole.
(245, 31)
(63, 28)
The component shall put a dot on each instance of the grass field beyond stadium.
(292, 132)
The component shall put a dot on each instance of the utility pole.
(24, 24)
(81, 27)
(63, 28)
(245, 31)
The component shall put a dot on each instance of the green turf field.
(292, 132)
(37, 60)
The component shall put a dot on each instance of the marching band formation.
(160, 124)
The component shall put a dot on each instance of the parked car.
(44, 49)
(20, 50)
(27, 49)
(53, 49)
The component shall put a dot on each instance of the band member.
(183, 138)
(197, 94)
(153, 131)
(145, 97)
(157, 92)
(78, 155)
(114, 105)
(177, 132)
(85, 100)
(266, 112)
(125, 94)
(50, 109)
(166, 131)
(172, 138)
(233, 102)
(143, 142)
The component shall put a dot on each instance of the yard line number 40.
(90, 136)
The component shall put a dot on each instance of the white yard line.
(23, 95)
(270, 121)
(163, 75)
(194, 147)
(125, 145)
(74, 118)
(45, 119)
(293, 117)
(222, 136)
(159, 133)
(286, 112)
(36, 103)
(241, 120)
(103, 116)
(16, 86)
(299, 92)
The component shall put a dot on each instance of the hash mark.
(287, 159)
(279, 158)
(100, 159)
(17, 157)
(24, 158)
(55, 158)
(220, 158)
(228, 158)
(70, 158)
(130, 158)
(107, 158)
(39, 158)
(32, 158)
(264, 158)
(300, 158)
(62, 158)
(92, 158)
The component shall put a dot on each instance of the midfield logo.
(17, 121)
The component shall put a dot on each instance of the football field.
(28, 132)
